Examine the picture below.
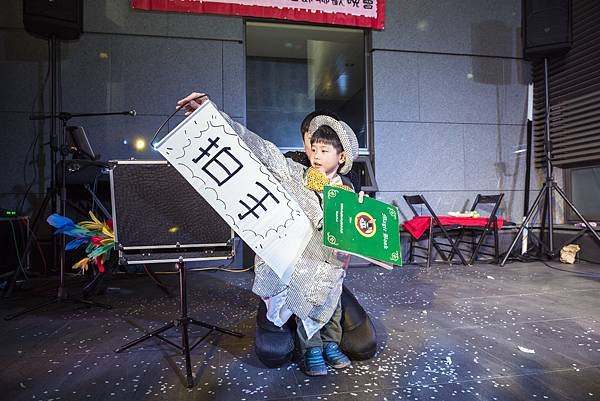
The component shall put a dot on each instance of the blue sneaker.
(314, 364)
(335, 357)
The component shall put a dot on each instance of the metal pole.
(525, 238)
(184, 321)
(548, 154)
(53, 144)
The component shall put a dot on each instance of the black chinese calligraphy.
(222, 166)
(258, 202)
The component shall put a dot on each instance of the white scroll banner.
(207, 151)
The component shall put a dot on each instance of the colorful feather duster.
(98, 236)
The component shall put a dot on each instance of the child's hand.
(192, 102)
(342, 257)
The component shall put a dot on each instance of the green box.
(368, 229)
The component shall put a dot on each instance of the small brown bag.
(568, 253)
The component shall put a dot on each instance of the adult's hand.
(191, 102)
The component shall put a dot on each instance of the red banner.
(360, 13)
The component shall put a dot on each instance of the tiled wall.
(125, 59)
(449, 91)
(450, 103)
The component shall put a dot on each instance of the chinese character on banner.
(207, 151)
(252, 210)
(361, 13)
(223, 161)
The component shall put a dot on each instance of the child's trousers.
(330, 332)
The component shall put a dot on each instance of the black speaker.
(60, 18)
(546, 27)
(158, 216)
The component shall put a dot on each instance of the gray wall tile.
(460, 89)
(150, 74)
(451, 160)
(23, 69)
(205, 26)
(414, 156)
(111, 16)
(517, 75)
(449, 88)
(482, 27)
(234, 79)
(493, 158)
(86, 76)
(396, 86)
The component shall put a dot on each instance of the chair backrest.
(412, 200)
(493, 200)
(415, 200)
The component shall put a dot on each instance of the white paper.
(206, 150)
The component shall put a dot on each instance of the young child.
(303, 157)
(313, 293)
(327, 157)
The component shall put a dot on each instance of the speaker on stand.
(55, 20)
(547, 32)
(546, 28)
(61, 19)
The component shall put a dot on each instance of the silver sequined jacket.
(316, 284)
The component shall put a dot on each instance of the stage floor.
(522, 332)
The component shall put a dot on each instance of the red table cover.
(419, 224)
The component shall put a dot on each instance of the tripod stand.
(549, 186)
(59, 193)
(183, 321)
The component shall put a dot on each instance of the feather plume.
(97, 235)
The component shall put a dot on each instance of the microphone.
(132, 113)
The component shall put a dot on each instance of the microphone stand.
(64, 117)
(61, 206)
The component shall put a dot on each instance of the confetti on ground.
(444, 333)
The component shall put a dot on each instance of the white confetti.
(491, 278)
(526, 350)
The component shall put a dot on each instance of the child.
(313, 293)
(327, 157)
(303, 157)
